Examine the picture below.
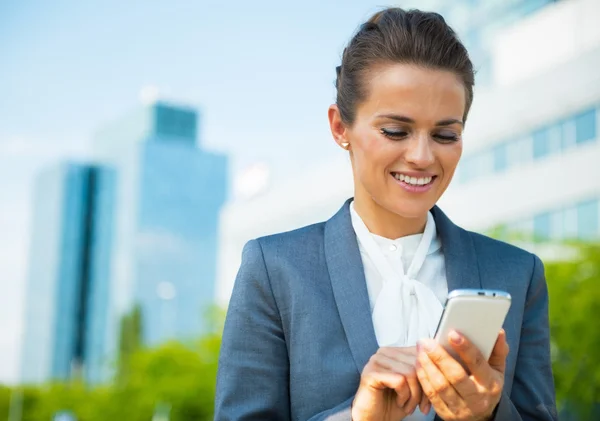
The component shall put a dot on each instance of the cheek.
(371, 153)
(449, 157)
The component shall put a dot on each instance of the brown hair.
(394, 35)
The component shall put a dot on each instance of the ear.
(337, 126)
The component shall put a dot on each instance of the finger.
(406, 355)
(452, 370)
(442, 387)
(432, 397)
(402, 395)
(498, 358)
(403, 391)
(424, 405)
(383, 379)
(416, 394)
(394, 365)
(472, 357)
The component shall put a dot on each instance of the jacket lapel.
(462, 270)
(349, 286)
(348, 282)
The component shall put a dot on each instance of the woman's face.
(405, 141)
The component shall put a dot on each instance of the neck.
(382, 222)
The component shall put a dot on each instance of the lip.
(415, 189)
(416, 174)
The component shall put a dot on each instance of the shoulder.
(289, 240)
(286, 259)
(301, 244)
(493, 252)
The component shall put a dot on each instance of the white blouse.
(406, 283)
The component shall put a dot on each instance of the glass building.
(137, 229)
(162, 249)
(60, 270)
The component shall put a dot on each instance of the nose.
(419, 152)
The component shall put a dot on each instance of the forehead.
(413, 91)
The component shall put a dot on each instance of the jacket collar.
(348, 282)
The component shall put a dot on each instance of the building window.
(541, 143)
(568, 134)
(570, 223)
(555, 134)
(542, 225)
(587, 219)
(500, 157)
(518, 151)
(557, 224)
(585, 127)
(485, 163)
(546, 141)
(465, 172)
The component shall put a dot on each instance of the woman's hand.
(389, 389)
(454, 394)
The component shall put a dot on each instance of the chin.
(408, 208)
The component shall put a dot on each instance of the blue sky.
(261, 73)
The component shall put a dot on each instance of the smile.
(414, 184)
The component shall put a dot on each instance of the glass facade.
(543, 142)
(587, 219)
(181, 192)
(138, 229)
(578, 221)
(162, 249)
(585, 127)
(101, 246)
(53, 345)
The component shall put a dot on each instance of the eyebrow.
(403, 119)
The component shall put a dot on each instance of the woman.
(333, 321)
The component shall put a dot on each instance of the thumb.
(498, 358)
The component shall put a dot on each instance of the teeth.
(413, 180)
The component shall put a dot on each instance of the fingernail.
(456, 338)
(427, 408)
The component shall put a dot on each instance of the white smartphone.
(478, 314)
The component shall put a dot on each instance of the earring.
(345, 145)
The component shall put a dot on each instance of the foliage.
(177, 376)
(5, 394)
(574, 307)
(130, 341)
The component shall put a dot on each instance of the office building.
(139, 228)
(530, 160)
(61, 270)
(163, 248)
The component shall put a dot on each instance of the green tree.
(130, 341)
(574, 288)
(5, 395)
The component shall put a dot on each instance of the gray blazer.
(299, 330)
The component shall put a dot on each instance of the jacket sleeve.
(342, 412)
(253, 373)
(532, 396)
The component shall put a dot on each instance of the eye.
(395, 134)
(446, 137)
